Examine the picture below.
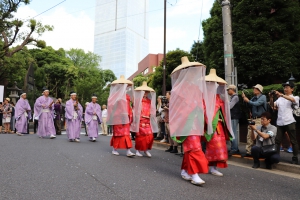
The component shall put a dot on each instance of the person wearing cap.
(216, 148)
(144, 123)
(57, 120)
(119, 115)
(258, 105)
(104, 117)
(43, 110)
(186, 117)
(93, 117)
(73, 117)
(235, 114)
(23, 114)
(285, 120)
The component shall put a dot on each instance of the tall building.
(121, 34)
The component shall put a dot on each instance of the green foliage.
(138, 80)
(266, 40)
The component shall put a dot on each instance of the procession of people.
(198, 116)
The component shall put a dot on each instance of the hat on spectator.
(186, 63)
(144, 87)
(212, 76)
(233, 87)
(291, 84)
(8, 99)
(122, 80)
(259, 87)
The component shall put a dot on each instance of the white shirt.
(285, 110)
(104, 113)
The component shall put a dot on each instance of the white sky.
(73, 22)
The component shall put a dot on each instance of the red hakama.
(194, 160)
(121, 133)
(144, 138)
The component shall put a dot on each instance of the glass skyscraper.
(121, 34)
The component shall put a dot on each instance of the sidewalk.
(283, 165)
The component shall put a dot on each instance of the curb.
(286, 167)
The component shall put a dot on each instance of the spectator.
(104, 116)
(285, 120)
(258, 105)
(6, 115)
(160, 121)
(12, 121)
(109, 130)
(290, 149)
(57, 120)
(173, 144)
(35, 123)
(1, 116)
(83, 119)
(264, 134)
(235, 115)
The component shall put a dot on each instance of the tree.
(197, 52)
(173, 59)
(266, 40)
(138, 80)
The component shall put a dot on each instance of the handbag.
(296, 109)
(268, 149)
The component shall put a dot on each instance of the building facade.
(148, 65)
(121, 34)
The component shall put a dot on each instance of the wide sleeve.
(69, 110)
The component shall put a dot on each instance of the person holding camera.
(173, 144)
(264, 135)
(285, 120)
(235, 113)
(258, 105)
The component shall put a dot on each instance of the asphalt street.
(33, 168)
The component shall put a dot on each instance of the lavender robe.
(73, 125)
(22, 114)
(93, 125)
(45, 115)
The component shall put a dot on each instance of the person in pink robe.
(93, 117)
(43, 110)
(73, 117)
(22, 114)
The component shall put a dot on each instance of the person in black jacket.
(235, 115)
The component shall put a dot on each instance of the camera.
(272, 92)
(164, 101)
(251, 122)
(242, 86)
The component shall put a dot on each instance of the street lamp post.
(165, 59)
(292, 79)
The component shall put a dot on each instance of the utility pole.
(230, 71)
(165, 59)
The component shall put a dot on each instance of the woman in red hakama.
(144, 138)
(118, 110)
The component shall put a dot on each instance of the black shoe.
(268, 164)
(295, 160)
(169, 149)
(174, 150)
(256, 165)
(246, 155)
(230, 153)
(158, 138)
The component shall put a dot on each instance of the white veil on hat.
(186, 102)
(137, 108)
(117, 111)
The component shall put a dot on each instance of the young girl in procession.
(144, 119)
(119, 115)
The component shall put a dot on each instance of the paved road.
(33, 168)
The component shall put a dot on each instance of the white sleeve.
(297, 100)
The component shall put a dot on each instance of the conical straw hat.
(186, 63)
(212, 76)
(122, 80)
(144, 87)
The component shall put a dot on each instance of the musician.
(43, 109)
(73, 118)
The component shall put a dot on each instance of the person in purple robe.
(93, 117)
(22, 115)
(43, 109)
(73, 116)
